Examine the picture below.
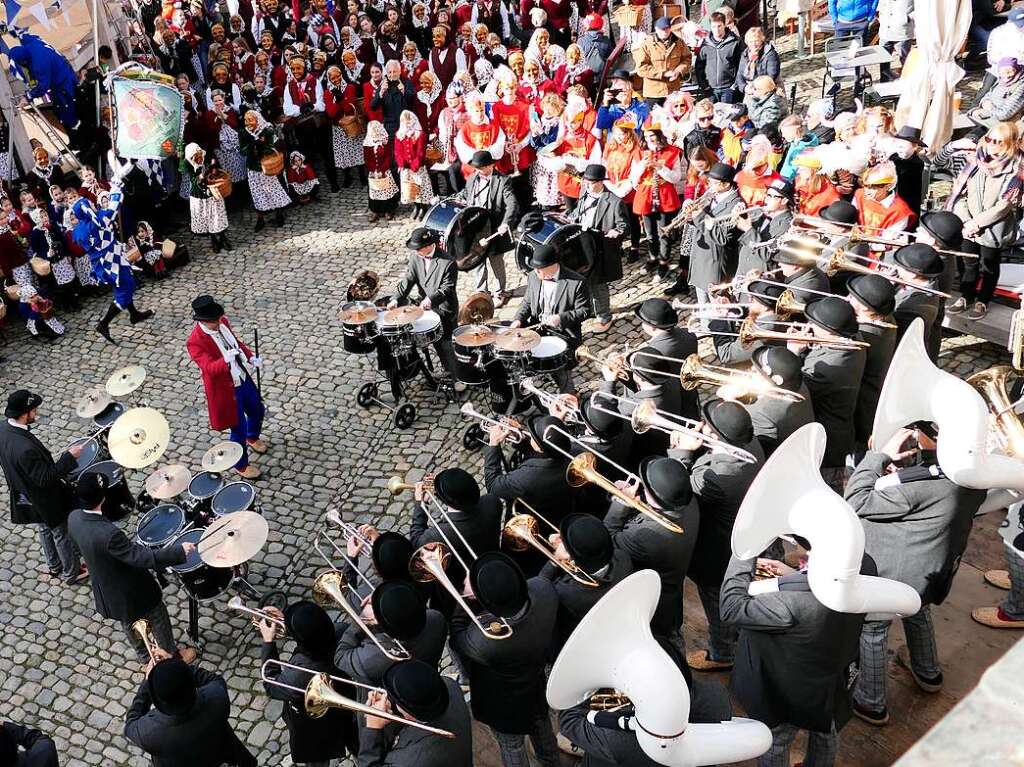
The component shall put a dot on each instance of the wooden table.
(865, 57)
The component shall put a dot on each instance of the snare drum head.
(192, 560)
(549, 346)
(205, 484)
(236, 496)
(161, 524)
(111, 471)
(90, 452)
(109, 414)
(428, 321)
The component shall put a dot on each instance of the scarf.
(376, 136)
(261, 124)
(226, 341)
(429, 98)
(409, 126)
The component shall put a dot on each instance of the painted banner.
(149, 119)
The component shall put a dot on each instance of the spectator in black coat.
(22, 746)
(393, 97)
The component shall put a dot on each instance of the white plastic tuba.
(916, 390)
(789, 496)
(613, 647)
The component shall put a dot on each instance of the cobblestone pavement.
(72, 675)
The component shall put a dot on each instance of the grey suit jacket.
(435, 280)
(911, 304)
(763, 230)
(680, 343)
(812, 278)
(775, 419)
(610, 214)
(360, 659)
(572, 304)
(500, 203)
(833, 378)
(714, 252)
(876, 365)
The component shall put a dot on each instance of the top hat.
(205, 308)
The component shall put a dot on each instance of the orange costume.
(618, 161)
(582, 145)
(473, 137)
(514, 120)
(754, 186)
(893, 211)
(644, 202)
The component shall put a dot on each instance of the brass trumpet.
(518, 433)
(319, 696)
(567, 402)
(145, 632)
(236, 603)
(329, 591)
(521, 533)
(615, 361)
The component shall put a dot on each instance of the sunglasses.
(706, 119)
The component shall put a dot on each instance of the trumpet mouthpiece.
(333, 516)
(467, 409)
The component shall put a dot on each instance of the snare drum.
(202, 488)
(549, 356)
(396, 335)
(359, 337)
(160, 525)
(234, 496)
(471, 360)
(92, 452)
(118, 501)
(201, 581)
(427, 329)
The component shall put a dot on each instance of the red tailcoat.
(220, 390)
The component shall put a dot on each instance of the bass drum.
(460, 228)
(562, 235)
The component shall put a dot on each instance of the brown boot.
(249, 472)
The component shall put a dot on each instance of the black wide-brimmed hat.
(310, 625)
(945, 226)
(481, 159)
(499, 584)
(652, 360)
(399, 609)
(722, 172)
(20, 402)
(587, 540)
(418, 689)
(603, 424)
(172, 687)
(595, 172)
(391, 553)
(658, 312)
(622, 74)
(206, 308)
(421, 237)
(874, 291)
(457, 488)
(765, 294)
(539, 426)
(667, 482)
(730, 420)
(913, 135)
(920, 259)
(782, 366)
(834, 315)
(543, 255)
(840, 212)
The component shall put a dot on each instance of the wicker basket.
(220, 181)
(40, 266)
(272, 164)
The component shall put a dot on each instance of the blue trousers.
(249, 407)
(124, 291)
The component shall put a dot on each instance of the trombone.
(548, 400)
(334, 517)
(693, 372)
(522, 531)
(236, 603)
(518, 433)
(646, 416)
(396, 487)
(615, 361)
(329, 591)
(749, 334)
(319, 696)
(144, 631)
(857, 233)
(582, 469)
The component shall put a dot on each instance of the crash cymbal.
(516, 339)
(168, 481)
(360, 314)
(233, 539)
(474, 335)
(126, 380)
(478, 308)
(222, 456)
(403, 315)
(92, 403)
(138, 438)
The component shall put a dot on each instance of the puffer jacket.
(767, 64)
(770, 109)
(852, 10)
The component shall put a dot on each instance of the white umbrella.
(927, 99)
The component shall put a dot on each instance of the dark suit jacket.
(729, 349)
(500, 204)
(610, 214)
(763, 230)
(39, 749)
(201, 738)
(715, 252)
(34, 480)
(437, 284)
(360, 659)
(122, 587)
(665, 396)
(775, 419)
(833, 378)
(911, 304)
(876, 365)
(572, 304)
(539, 480)
(680, 343)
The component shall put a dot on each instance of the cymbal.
(233, 539)
(516, 339)
(125, 380)
(403, 315)
(222, 456)
(138, 438)
(359, 315)
(168, 481)
(475, 335)
(92, 403)
(477, 308)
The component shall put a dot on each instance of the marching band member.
(603, 434)
(758, 232)
(796, 273)
(775, 419)
(657, 384)
(916, 524)
(181, 718)
(715, 246)
(873, 300)
(604, 215)
(654, 178)
(390, 553)
(728, 348)
(22, 746)
(918, 264)
(506, 677)
(493, 192)
(719, 482)
(659, 322)
(942, 230)
(312, 740)
(415, 690)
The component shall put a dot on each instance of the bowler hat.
(920, 259)
(587, 540)
(499, 584)
(391, 553)
(399, 609)
(457, 488)
(172, 687)
(481, 159)
(945, 227)
(421, 237)
(730, 419)
(539, 425)
(840, 212)
(205, 308)
(874, 291)
(21, 402)
(417, 688)
(543, 255)
(311, 627)
(595, 172)
(91, 488)
(601, 423)
(722, 172)
(782, 366)
(834, 315)
(667, 482)
(658, 312)
(765, 293)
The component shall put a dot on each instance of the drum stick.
(486, 240)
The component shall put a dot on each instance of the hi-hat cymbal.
(516, 339)
(359, 314)
(478, 308)
(126, 380)
(168, 481)
(474, 335)
(92, 403)
(222, 456)
(139, 437)
(233, 539)
(403, 315)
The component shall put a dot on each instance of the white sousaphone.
(613, 647)
(788, 496)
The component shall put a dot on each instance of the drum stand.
(239, 584)
(404, 413)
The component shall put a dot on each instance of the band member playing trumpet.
(918, 264)
(506, 677)
(761, 233)
(312, 740)
(656, 200)
(715, 244)
(873, 299)
(492, 192)
(660, 323)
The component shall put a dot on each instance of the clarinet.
(656, 185)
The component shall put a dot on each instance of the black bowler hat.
(783, 187)
(722, 172)
(91, 489)
(920, 259)
(391, 553)
(840, 212)
(796, 255)
(782, 366)
(417, 688)
(499, 584)
(205, 308)
(874, 291)
(946, 227)
(543, 255)
(421, 237)
(172, 687)
(595, 172)
(764, 293)
(457, 488)
(481, 159)
(730, 419)
(834, 315)
(604, 425)
(622, 74)
(653, 360)
(587, 540)
(311, 627)
(399, 609)
(658, 312)
(667, 482)
(21, 402)
(913, 135)
(539, 425)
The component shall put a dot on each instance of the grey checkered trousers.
(874, 641)
(821, 747)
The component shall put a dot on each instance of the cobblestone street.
(72, 675)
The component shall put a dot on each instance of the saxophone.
(655, 183)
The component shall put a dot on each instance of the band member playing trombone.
(873, 299)
(312, 740)
(653, 379)
(493, 192)
(761, 311)
(390, 553)
(775, 418)
(799, 272)
(714, 249)
(660, 323)
(943, 230)
(917, 264)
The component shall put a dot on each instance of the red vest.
(668, 198)
(444, 70)
(574, 146)
(875, 215)
(514, 120)
(753, 187)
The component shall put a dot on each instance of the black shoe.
(215, 243)
(875, 718)
(225, 242)
(346, 179)
(279, 219)
(677, 288)
(260, 223)
(650, 266)
(103, 326)
(632, 256)
(136, 316)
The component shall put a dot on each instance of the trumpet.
(329, 591)
(582, 470)
(319, 696)
(740, 210)
(567, 402)
(236, 603)
(145, 632)
(749, 334)
(616, 361)
(518, 433)
(688, 211)
(521, 532)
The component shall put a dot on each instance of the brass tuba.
(522, 532)
(1015, 345)
(1006, 424)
